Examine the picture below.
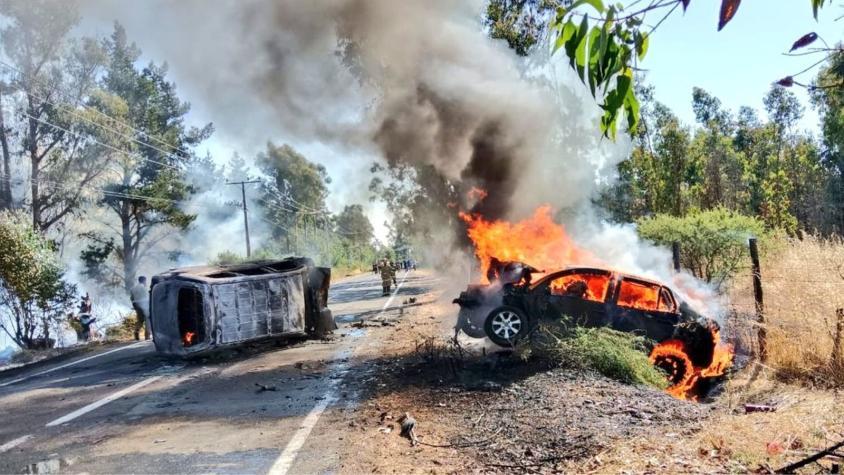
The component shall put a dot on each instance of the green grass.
(617, 355)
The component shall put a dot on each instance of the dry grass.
(730, 441)
(803, 283)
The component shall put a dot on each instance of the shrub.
(713, 243)
(33, 293)
(123, 330)
(617, 355)
(227, 258)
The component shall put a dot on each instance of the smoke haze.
(413, 82)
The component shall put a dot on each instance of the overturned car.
(511, 305)
(194, 309)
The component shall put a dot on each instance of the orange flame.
(596, 285)
(672, 356)
(187, 339)
(542, 243)
(538, 241)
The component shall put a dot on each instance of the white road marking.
(285, 460)
(14, 443)
(288, 455)
(72, 363)
(102, 402)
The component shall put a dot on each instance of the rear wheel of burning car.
(506, 325)
(677, 369)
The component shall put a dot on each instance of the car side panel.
(657, 326)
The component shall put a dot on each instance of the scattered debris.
(54, 465)
(262, 388)
(408, 424)
(748, 408)
(812, 459)
(487, 387)
(373, 323)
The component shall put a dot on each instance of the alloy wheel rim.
(506, 324)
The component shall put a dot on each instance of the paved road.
(125, 409)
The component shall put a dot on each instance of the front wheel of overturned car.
(506, 325)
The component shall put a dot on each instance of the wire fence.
(800, 316)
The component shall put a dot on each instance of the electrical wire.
(115, 149)
(98, 112)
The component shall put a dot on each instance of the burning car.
(511, 305)
(195, 309)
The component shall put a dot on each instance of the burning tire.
(506, 325)
(677, 368)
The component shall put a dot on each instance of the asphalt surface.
(124, 409)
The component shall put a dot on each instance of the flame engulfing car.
(511, 305)
(194, 309)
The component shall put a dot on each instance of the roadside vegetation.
(803, 281)
(34, 295)
(617, 355)
(124, 329)
(713, 242)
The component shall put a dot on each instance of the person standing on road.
(388, 275)
(140, 302)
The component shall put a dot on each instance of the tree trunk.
(32, 146)
(129, 264)
(6, 179)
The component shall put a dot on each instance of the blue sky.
(739, 63)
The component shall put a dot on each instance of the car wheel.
(464, 322)
(505, 325)
(676, 368)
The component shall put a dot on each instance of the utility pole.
(245, 212)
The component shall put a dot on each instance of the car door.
(579, 294)
(645, 308)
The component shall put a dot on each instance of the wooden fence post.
(675, 254)
(760, 306)
(839, 333)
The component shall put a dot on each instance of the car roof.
(548, 274)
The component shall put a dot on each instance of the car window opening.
(191, 316)
(666, 301)
(587, 286)
(639, 295)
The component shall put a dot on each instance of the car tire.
(676, 369)
(506, 325)
(464, 323)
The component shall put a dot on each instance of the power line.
(72, 112)
(57, 185)
(98, 112)
(75, 134)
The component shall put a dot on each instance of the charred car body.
(194, 309)
(508, 308)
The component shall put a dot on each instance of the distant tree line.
(757, 166)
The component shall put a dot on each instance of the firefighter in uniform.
(388, 275)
